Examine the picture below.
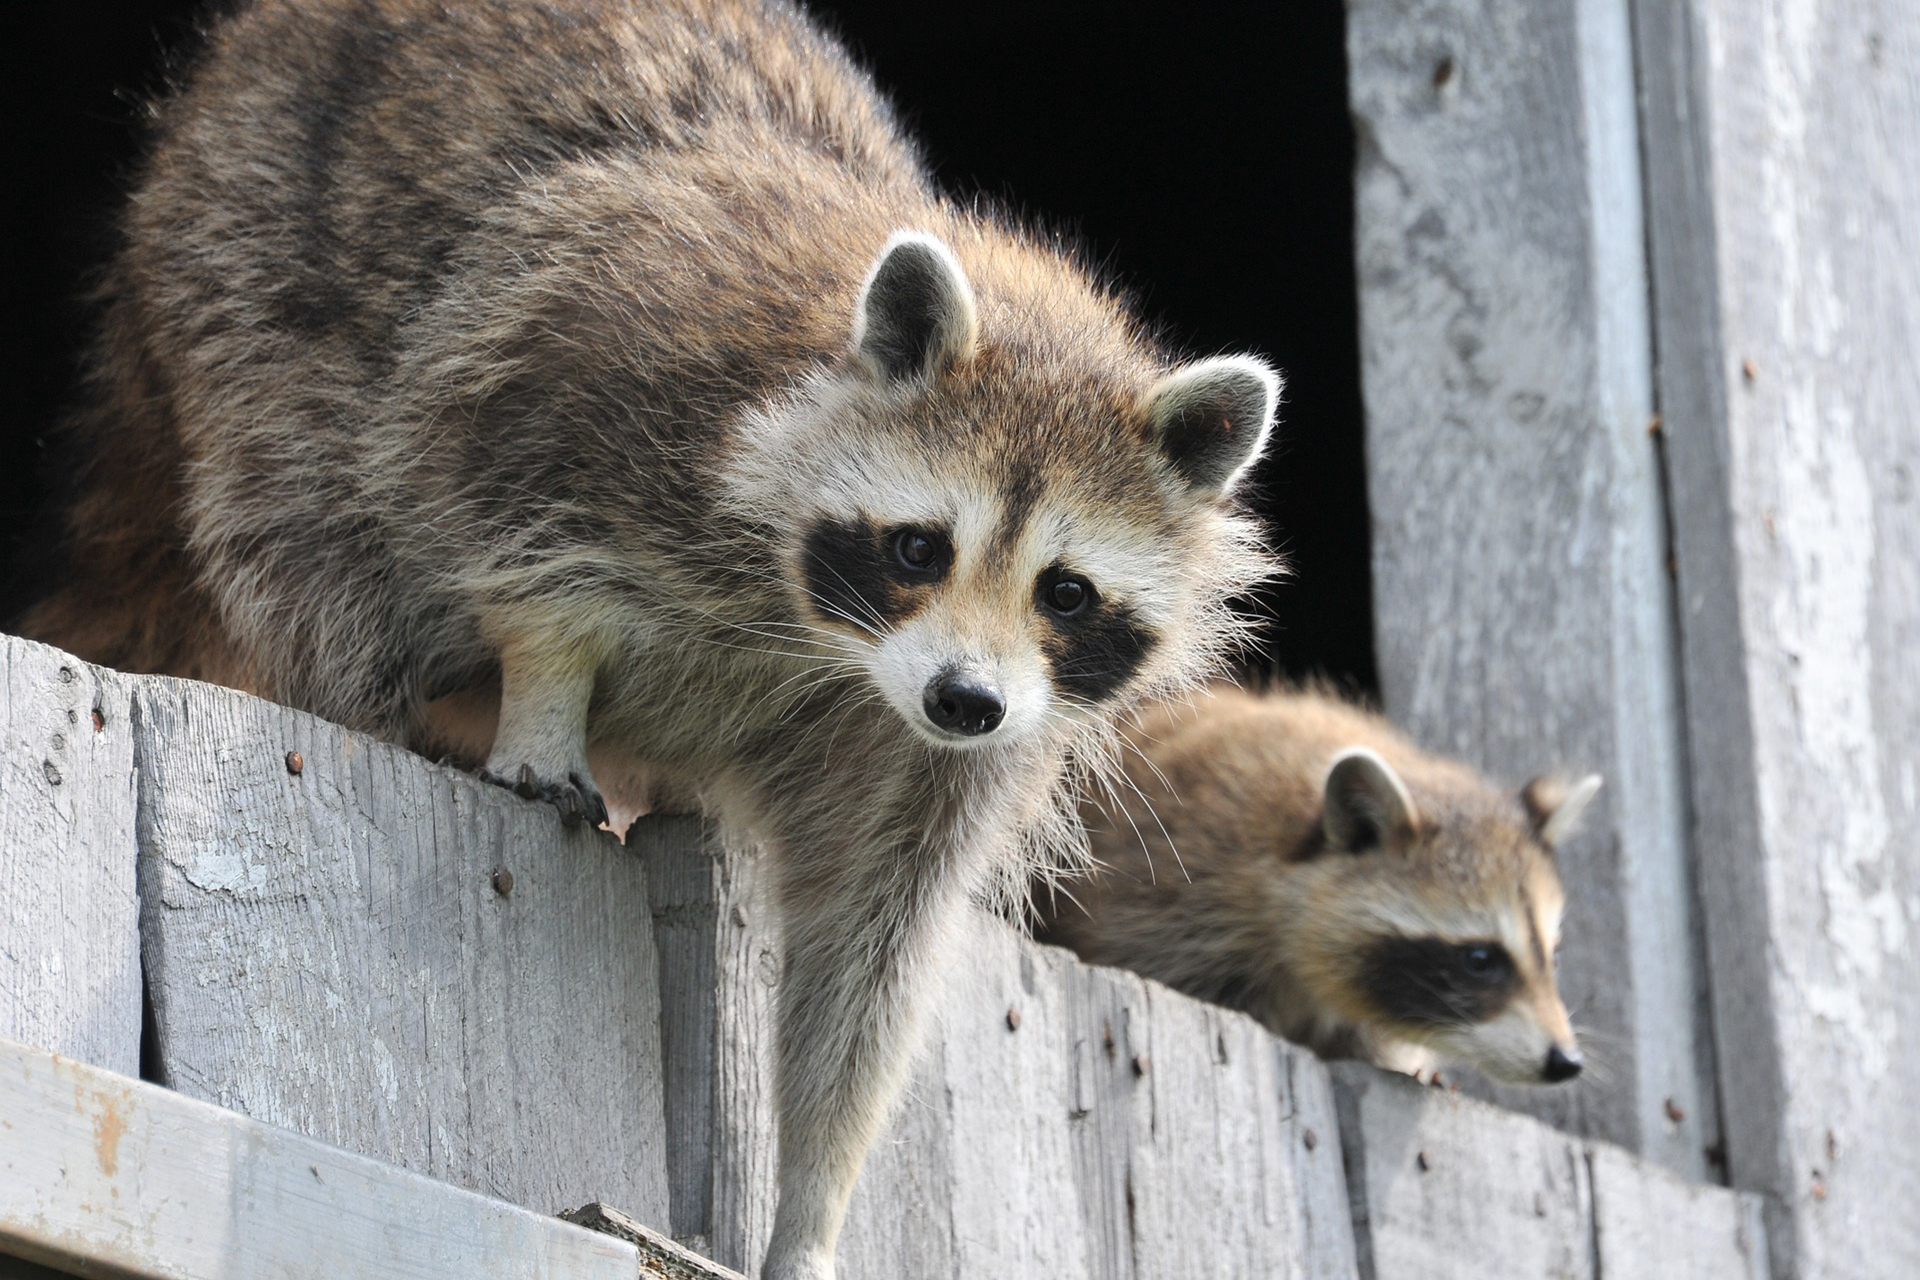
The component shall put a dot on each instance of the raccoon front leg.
(861, 959)
(540, 749)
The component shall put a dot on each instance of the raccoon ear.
(1366, 805)
(1212, 418)
(1555, 805)
(915, 316)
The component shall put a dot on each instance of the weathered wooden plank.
(105, 1175)
(1648, 1223)
(69, 917)
(719, 968)
(1179, 1150)
(330, 949)
(1221, 1166)
(1447, 1186)
(1063, 1121)
(1783, 154)
(1523, 611)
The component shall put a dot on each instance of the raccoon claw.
(491, 778)
(577, 799)
(527, 786)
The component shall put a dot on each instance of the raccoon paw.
(577, 798)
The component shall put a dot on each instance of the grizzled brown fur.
(1290, 855)
(601, 389)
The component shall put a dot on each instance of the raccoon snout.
(1561, 1065)
(957, 702)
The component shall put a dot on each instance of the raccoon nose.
(961, 703)
(1561, 1065)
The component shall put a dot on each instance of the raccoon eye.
(918, 550)
(1481, 962)
(1067, 595)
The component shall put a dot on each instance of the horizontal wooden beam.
(108, 1176)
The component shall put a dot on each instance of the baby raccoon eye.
(917, 550)
(1066, 595)
(1482, 963)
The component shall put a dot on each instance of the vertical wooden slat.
(1062, 1123)
(719, 967)
(1444, 1186)
(69, 917)
(330, 950)
(1039, 1152)
(1647, 1222)
(1783, 159)
(1523, 609)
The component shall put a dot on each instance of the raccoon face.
(1474, 1001)
(1002, 553)
(976, 633)
(1462, 923)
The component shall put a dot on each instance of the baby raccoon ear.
(1212, 418)
(915, 316)
(1366, 805)
(1555, 805)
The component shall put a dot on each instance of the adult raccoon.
(617, 365)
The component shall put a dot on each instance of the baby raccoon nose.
(1561, 1065)
(963, 703)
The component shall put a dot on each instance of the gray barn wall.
(1783, 169)
(1574, 216)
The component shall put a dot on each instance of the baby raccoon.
(1292, 856)
(614, 368)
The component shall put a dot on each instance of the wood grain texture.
(69, 916)
(104, 1175)
(1171, 1134)
(1783, 153)
(1446, 1186)
(328, 951)
(1523, 610)
(1118, 1131)
(1648, 1223)
(719, 969)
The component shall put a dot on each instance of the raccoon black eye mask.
(869, 578)
(1095, 646)
(1432, 982)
